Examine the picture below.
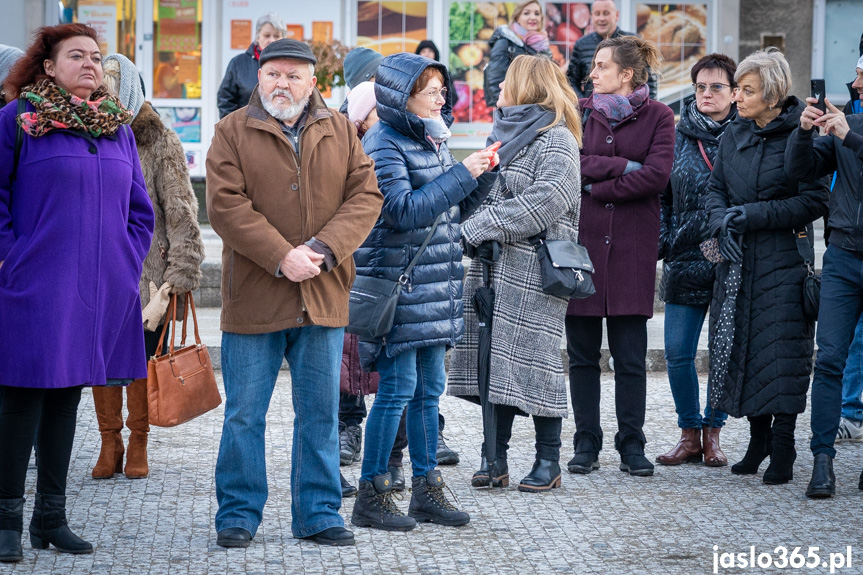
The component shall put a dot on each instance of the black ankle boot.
(860, 481)
(348, 490)
(499, 471)
(823, 482)
(429, 503)
(11, 526)
(375, 507)
(544, 476)
(398, 474)
(760, 446)
(480, 477)
(49, 526)
(781, 468)
(587, 448)
(633, 461)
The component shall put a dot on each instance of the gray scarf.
(707, 123)
(436, 130)
(517, 127)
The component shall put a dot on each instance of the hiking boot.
(429, 503)
(375, 507)
(586, 459)
(849, 430)
(350, 443)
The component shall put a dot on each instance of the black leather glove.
(739, 222)
(729, 247)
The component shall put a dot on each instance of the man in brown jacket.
(292, 195)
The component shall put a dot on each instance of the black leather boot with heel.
(760, 446)
(11, 526)
(48, 526)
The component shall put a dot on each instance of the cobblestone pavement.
(605, 522)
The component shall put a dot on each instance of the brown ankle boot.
(109, 413)
(687, 450)
(713, 456)
(139, 426)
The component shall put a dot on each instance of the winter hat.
(8, 56)
(361, 102)
(860, 63)
(360, 65)
(122, 77)
(431, 45)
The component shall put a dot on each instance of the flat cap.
(288, 48)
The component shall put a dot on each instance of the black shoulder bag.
(19, 141)
(812, 283)
(373, 301)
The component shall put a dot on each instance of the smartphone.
(817, 91)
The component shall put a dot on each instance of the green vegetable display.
(460, 21)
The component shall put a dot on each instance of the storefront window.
(177, 40)
(566, 24)
(841, 46)
(114, 20)
(680, 32)
(391, 27)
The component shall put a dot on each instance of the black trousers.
(352, 409)
(627, 342)
(547, 431)
(51, 412)
(397, 454)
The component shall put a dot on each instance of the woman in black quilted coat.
(687, 276)
(767, 375)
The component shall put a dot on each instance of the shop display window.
(177, 41)
(391, 27)
(114, 20)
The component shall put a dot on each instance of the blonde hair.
(639, 55)
(772, 69)
(111, 75)
(538, 80)
(520, 8)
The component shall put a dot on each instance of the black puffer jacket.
(687, 278)
(419, 182)
(505, 45)
(240, 80)
(771, 359)
(581, 60)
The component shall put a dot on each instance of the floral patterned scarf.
(616, 107)
(57, 109)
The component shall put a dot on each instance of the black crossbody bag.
(812, 283)
(373, 301)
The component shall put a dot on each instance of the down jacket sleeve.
(406, 208)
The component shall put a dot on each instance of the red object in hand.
(493, 149)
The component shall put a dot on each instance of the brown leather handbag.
(181, 384)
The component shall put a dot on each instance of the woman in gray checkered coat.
(538, 188)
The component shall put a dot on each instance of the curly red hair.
(30, 68)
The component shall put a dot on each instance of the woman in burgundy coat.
(625, 165)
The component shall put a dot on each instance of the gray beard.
(283, 113)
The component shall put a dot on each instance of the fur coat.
(177, 250)
(526, 367)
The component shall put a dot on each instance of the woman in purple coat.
(75, 226)
(625, 165)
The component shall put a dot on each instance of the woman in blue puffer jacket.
(420, 181)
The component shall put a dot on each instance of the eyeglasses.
(714, 88)
(434, 95)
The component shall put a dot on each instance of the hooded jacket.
(771, 357)
(687, 277)
(419, 182)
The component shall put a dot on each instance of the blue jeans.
(852, 379)
(250, 365)
(838, 315)
(682, 330)
(415, 378)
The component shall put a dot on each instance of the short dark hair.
(716, 61)
(30, 69)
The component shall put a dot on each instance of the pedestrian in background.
(839, 150)
(687, 276)
(525, 34)
(75, 227)
(538, 190)
(426, 193)
(241, 76)
(286, 277)
(8, 56)
(770, 361)
(625, 165)
(172, 265)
